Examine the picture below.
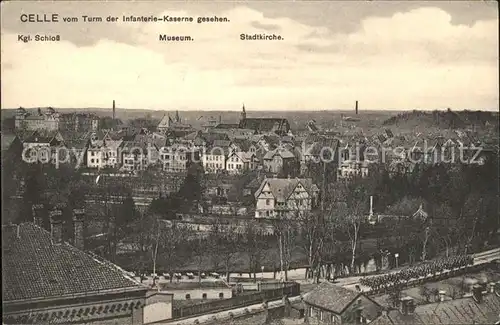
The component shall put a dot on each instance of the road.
(298, 275)
(479, 258)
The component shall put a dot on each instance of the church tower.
(243, 113)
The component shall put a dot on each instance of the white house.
(103, 153)
(238, 162)
(281, 197)
(204, 290)
(214, 159)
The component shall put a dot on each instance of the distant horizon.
(250, 110)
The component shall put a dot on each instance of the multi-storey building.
(264, 125)
(43, 120)
(213, 159)
(42, 146)
(238, 162)
(79, 122)
(104, 154)
(177, 158)
(278, 160)
(168, 124)
(138, 155)
(285, 197)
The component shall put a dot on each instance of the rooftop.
(36, 268)
(330, 296)
(281, 188)
(457, 311)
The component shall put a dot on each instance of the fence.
(290, 289)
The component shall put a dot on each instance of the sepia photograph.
(250, 162)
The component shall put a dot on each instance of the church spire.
(243, 113)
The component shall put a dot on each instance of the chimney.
(492, 287)
(37, 214)
(114, 110)
(442, 295)
(407, 306)
(477, 293)
(78, 228)
(56, 226)
(220, 119)
(356, 107)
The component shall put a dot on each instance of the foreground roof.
(36, 268)
(457, 311)
(7, 140)
(331, 297)
(264, 124)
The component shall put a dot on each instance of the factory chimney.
(114, 110)
(356, 107)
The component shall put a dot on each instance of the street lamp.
(396, 256)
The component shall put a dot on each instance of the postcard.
(250, 162)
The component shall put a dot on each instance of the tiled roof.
(34, 267)
(129, 145)
(7, 140)
(77, 143)
(211, 137)
(281, 188)
(331, 297)
(284, 153)
(227, 126)
(383, 319)
(242, 144)
(457, 311)
(263, 124)
(221, 143)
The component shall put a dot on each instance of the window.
(92, 160)
(332, 318)
(268, 201)
(221, 295)
(188, 296)
(310, 311)
(320, 315)
(204, 296)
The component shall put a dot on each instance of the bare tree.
(351, 213)
(216, 239)
(255, 249)
(171, 240)
(312, 228)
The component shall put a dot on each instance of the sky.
(385, 54)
